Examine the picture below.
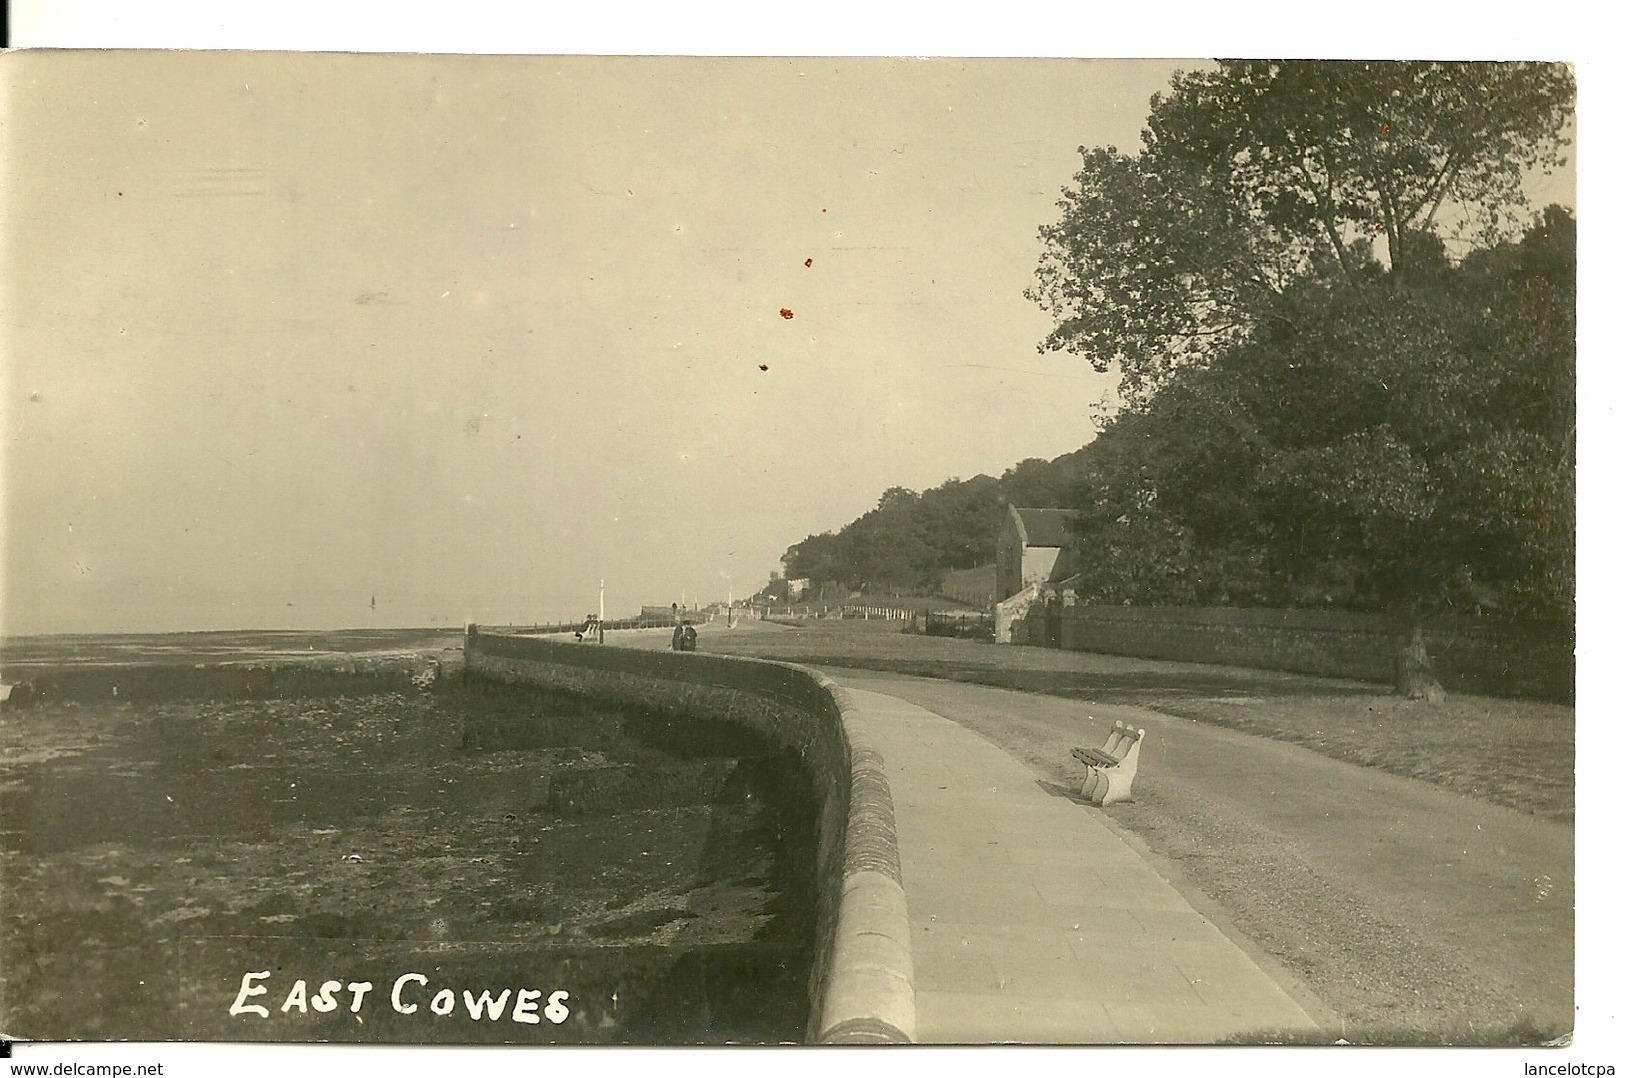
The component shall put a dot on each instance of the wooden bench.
(1112, 767)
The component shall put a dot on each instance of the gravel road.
(1414, 914)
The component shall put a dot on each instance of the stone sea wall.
(862, 979)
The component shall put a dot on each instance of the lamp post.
(600, 611)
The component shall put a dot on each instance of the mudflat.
(340, 827)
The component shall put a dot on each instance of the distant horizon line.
(432, 626)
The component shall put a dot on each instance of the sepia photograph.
(594, 550)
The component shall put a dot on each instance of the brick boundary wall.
(1529, 660)
(862, 982)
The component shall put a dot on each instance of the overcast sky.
(469, 334)
(286, 333)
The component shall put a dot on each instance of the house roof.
(1043, 527)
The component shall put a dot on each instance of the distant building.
(798, 588)
(1035, 548)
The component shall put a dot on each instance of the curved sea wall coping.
(862, 988)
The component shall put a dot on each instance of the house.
(1035, 548)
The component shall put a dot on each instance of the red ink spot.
(1385, 129)
(785, 312)
(1378, 227)
(808, 263)
(763, 366)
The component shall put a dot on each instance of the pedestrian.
(691, 636)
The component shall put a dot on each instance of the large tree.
(1259, 173)
(1326, 379)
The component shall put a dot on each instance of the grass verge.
(1517, 753)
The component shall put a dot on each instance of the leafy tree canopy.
(1318, 385)
(910, 539)
(1262, 173)
(1413, 447)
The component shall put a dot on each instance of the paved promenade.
(1416, 914)
(1033, 922)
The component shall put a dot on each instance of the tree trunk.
(1413, 670)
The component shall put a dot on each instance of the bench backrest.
(1128, 754)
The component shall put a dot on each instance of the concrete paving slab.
(1032, 922)
(987, 1018)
